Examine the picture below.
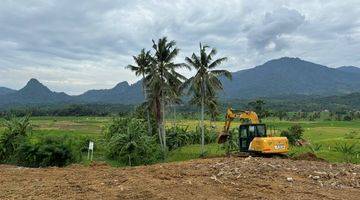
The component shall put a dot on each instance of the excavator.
(253, 136)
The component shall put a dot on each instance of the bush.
(315, 148)
(117, 125)
(130, 144)
(349, 151)
(347, 118)
(83, 144)
(15, 132)
(232, 143)
(210, 135)
(177, 137)
(49, 151)
(294, 133)
(352, 135)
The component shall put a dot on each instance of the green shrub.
(232, 143)
(348, 151)
(49, 151)
(210, 135)
(130, 144)
(315, 147)
(177, 137)
(347, 118)
(294, 133)
(83, 144)
(352, 135)
(117, 125)
(16, 130)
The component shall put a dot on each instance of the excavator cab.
(247, 132)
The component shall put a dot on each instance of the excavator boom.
(230, 116)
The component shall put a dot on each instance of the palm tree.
(206, 81)
(143, 62)
(163, 81)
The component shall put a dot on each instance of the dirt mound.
(308, 156)
(216, 178)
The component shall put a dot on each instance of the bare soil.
(215, 178)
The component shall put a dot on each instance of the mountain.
(276, 78)
(122, 93)
(286, 76)
(34, 93)
(5, 91)
(350, 69)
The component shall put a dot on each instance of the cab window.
(243, 132)
(261, 131)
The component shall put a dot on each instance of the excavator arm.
(230, 116)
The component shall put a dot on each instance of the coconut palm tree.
(206, 81)
(143, 62)
(163, 81)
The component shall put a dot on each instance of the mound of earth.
(216, 178)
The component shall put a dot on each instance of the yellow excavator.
(253, 134)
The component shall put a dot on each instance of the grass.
(193, 151)
(327, 134)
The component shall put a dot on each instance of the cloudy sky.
(73, 46)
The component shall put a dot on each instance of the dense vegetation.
(339, 106)
(17, 146)
(129, 143)
(68, 110)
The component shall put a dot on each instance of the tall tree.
(143, 62)
(206, 81)
(258, 107)
(163, 81)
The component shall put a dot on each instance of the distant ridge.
(286, 75)
(350, 69)
(34, 92)
(121, 93)
(279, 77)
(4, 91)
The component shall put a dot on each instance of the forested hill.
(286, 76)
(279, 77)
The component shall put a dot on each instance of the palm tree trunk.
(202, 118)
(174, 113)
(147, 109)
(163, 121)
(160, 135)
(158, 120)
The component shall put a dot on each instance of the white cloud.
(73, 46)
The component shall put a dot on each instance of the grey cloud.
(267, 34)
(78, 45)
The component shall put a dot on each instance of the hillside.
(286, 76)
(217, 178)
(279, 77)
(5, 91)
(121, 93)
(34, 93)
(350, 69)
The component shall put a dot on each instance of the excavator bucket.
(223, 137)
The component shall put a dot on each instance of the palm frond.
(225, 73)
(217, 62)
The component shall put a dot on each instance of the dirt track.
(218, 178)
